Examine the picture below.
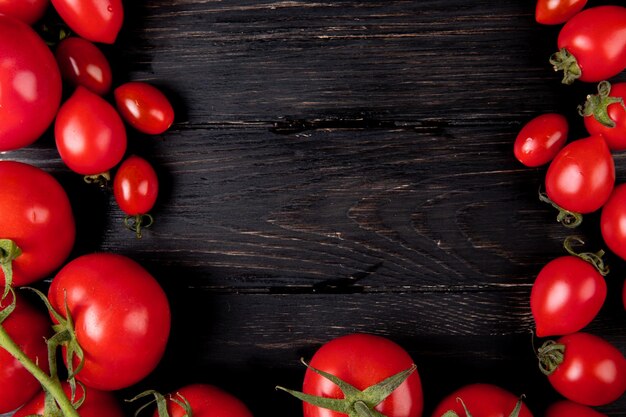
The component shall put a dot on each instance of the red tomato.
(481, 400)
(555, 12)
(35, 213)
(605, 114)
(96, 404)
(30, 85)
(592, 46)
(363, 360)
(28, 11)
(94, 20)
(566, 296)
(613, 221)
(28, 328)
(206, 401)
(144, 107)
(135, 186)
(591, 371)
(121, 317)
(83, 63)
(581, 176)
(566, 408)
(90, 135)
(541, 139)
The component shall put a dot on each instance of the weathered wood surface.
(342, 166)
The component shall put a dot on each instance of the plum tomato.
(481, 400)
(121, 318)
(144, 107)
(592, 47)
(584, 368)
(565, 408)
(604, 114)
(555, 12)
(205, 401)
(541, 139)
(90, 135)
(28, 11)
(581, 176)
(36, 215)
(94, 20)
(30, 85)
(613, 221)
(83, 63)
(29, 328)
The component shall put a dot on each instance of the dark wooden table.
(338, 167)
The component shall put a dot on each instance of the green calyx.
(566, 62)
(356, 403)
(452, 413)
(594, 258)
(102, 180)
(597, 105)
(569, 219)
(161, 403)
(9, 251)
(550, 356)
(137, 222)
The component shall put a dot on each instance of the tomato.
(28, 328)
(581, 176)
(592, 46)
(481, 400)
(96, 404)
(541, 139)
(121, 317)
(613, 221)
(90, 135)
(135, 186)
(567, 408)
(587, 369)
(94, 20)
(35, 213)
(566, 296)
(28, 11)
(206, 401)
(555, 12)
(83, 63)
(30, 85)
(604, 114)
(144, 107)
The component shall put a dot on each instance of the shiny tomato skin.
(593, 371)
(541, 139)
(94, 20)
(144, 107)
(614, 136)
(206, 401)
(613, 221)
(121, 316)
(82, 63)
(363, 360)
(551, 12)
(90, 135)
(566, 296)
(567, 408)
(135, 186)
(97, 404)
(581, 176)
(595, 37)
(481, 400)
(35, 213)
(28, 327)
(28, 11)
(30, 85)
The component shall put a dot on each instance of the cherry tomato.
(605, 115)
(206, 401)
(96, 404)
(28, 11)
(581, 176)
(121, 317)
(613, 221)
(144, 107)
(567, 408)
(30, 85)
(591, 45)
(28, 328)
(555, 12)
(481, 400)
(94, 20)
(135, 186)
(363, 360)
(35, 213)
(83, 63)
(566, 296)
(541, 139)
(90, 135)
(589, 371)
